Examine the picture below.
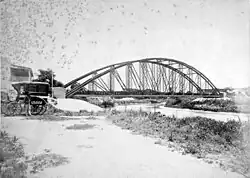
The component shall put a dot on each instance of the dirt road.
(105, 151)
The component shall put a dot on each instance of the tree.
(46, 76)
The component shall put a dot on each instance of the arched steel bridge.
(150, 76)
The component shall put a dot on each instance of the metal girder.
(131, 77)
(158, 75)
(103, 84)
(152, 70)
(164, 77)
(141, 81)
(128, 77)
(111, 79)
(135, 77)
(142, 69)
(149, 77)
(184, 75)
(99, 86)
(118, 78)
(91, 86)
(181, 80)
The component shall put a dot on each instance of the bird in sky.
(145, 30)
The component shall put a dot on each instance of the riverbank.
(235, 104)
(225, 144)
(180, 113)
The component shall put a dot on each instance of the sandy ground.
(105, 151)
(75, 105)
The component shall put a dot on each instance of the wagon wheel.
(4, 107)
(45, 107)
(13, 108)
(35, 109)
(38, 109)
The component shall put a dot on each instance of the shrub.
(12, 164)
(107, 104)
(215, 105)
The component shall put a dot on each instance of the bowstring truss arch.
(161, 75)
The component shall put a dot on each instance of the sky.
(210, 35)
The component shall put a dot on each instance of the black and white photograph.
(125, 89)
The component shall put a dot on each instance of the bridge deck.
(147, 96)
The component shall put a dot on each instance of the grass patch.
(41, 161)
(202, 137)
(15, 164)
(51, 118)
(58, 112)
(12, 157)
(215, 105)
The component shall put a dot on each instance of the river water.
(179, 113)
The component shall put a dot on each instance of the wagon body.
(35, 89)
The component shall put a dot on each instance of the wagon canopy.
(34, 88)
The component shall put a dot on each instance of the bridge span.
(145, 77)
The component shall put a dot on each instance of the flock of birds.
(35, 31)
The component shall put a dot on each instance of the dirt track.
(105, 151)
